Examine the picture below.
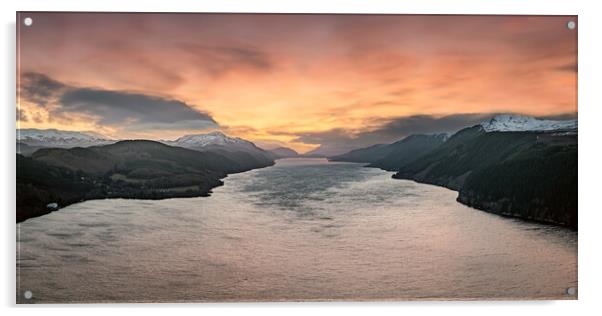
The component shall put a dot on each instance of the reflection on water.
(304, 229)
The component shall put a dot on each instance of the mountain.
(329, 150)
(368, 154)
(408, 150)
(132, 155)
(283, 152)
(508, 166)
(25, 149)
(242, 151)
(60, 139)
(213, 138)
(521, 123)
(393, 156)
(127, 169)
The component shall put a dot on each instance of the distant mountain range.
(67, 167)
(126, 169)
(283, 152)
(240, 150)
(203, 141)
(329, 151)
(522, 123)
(367, 154)
(60, 139)
(393, 156)
(510, 165)
(30, 139)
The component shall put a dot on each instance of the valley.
(511, 165)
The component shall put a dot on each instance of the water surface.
(304, 229)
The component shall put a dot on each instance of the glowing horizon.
(297, 81)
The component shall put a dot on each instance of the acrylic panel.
(203, 157)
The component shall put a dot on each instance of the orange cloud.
(262, 73)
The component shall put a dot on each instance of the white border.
(590, 103)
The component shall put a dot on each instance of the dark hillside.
(531, 175)
(128, 169)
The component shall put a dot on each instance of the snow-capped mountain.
(519, 123)
(213, 138)
(220, 142)
(58, 138)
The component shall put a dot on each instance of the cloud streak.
(119, 109)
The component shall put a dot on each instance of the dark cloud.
(342, 140)
(40, 89)
(124, 110)
(218, 60)
(115, 107)
(426, 124)
(22, 115)
(396, 129)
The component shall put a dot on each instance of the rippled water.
(304, 229)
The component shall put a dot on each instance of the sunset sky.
(295, 80)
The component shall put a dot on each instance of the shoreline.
(159, 194)
(475, 206)
(462, 200)
(44, 211)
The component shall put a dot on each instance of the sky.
(300, 81)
